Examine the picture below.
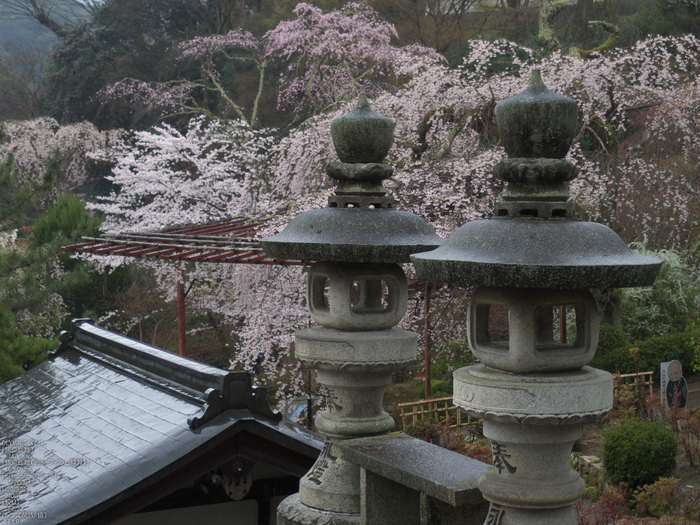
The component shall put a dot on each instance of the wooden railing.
(438, 409)
(641, 382)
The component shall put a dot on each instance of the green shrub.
(611, 338)
(19, 353)
(693, 332)
(655, 350)
(613, 350)
(440, 388)
(615, 361)
(639, 452)
(652, 352)
(451, 355)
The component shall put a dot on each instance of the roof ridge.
(219, 390)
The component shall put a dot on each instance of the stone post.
(357, 293)
(535, 260)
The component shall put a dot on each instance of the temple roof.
(107, 420)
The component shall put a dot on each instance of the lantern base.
(293, 512)
(578, 396)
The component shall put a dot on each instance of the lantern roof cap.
(535, 241)
(537, 253)
(353, 235)
(360, 225)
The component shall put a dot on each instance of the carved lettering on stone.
(325, 460)
(333, 401)
(501, 457)
(495, 515)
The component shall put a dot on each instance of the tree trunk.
(50, 23)
(548, 10)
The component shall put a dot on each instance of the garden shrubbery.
(610, 339)
(639, 452)
(451, 355)
(652, 351)
(440, 388)
(656, 350)
(657, 319)
(670, 304)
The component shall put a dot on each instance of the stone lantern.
(357, 293)
(533, 262)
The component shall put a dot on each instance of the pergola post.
(181, 317)
(426, 312)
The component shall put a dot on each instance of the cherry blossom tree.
(637, 150)
(194, 97)
(208, 173)
(33, 143)
(637, 146)
(211, 172)
(330, 57)
(322, 59)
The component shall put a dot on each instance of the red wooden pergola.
(229, 241)
(232, 241)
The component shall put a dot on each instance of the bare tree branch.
(614, 33)
(55, 15)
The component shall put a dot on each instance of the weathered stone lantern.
(536, 261)
(357, 293)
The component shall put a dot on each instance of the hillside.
(21, 33)
(16, 32)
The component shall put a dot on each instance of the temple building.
(111, 430)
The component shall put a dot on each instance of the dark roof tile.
(98, 425)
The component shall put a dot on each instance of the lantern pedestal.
(293, 512)
(354, 368)
(532, 421)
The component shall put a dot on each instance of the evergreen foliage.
(19, 353)
(15, 97)
(638, 452)
(66, 221)
(668, 17)
(652, 352)
(669, 305)
(40, 284)
(79, 67)
(611, 338)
